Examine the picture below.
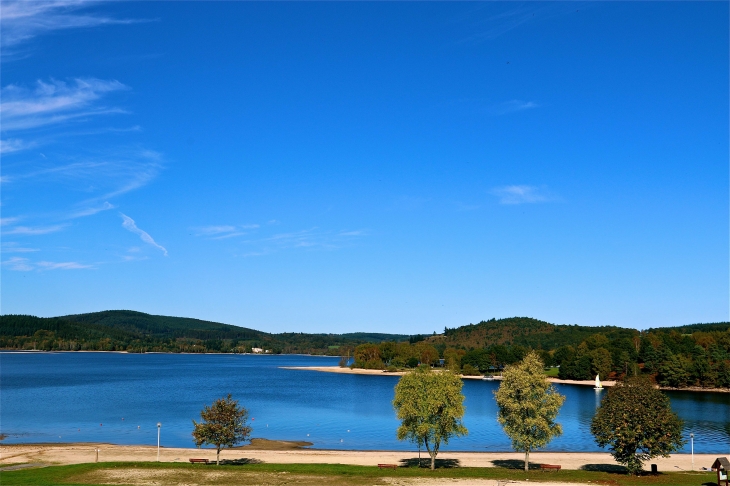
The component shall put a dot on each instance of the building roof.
(721, 462)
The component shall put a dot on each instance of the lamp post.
(158, 441)
(692, 446)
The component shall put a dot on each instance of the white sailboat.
(598, 384)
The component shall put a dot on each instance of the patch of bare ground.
(208, 477)
(275, 445)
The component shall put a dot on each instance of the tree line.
(697, 357)
(137, 332)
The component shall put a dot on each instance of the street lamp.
(158, 441)
(692, 445)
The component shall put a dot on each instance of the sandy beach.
(360, 371)
(76, 453)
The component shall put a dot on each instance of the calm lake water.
(119, 398)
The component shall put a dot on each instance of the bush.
(469, 370)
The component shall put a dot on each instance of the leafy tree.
(452, 359)
(222, 424)
(427, 354)
(528, 405)
(430, 406)
(469, 370)
(601, 362)
(637, 423)
(388, 351)
(480, 359)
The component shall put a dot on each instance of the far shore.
(285, 452)
(591, 383)
(360, 371)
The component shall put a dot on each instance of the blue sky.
(393, 167)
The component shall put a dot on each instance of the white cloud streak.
(222, 232)
(53, 102)
(32, 231)
(129, 224)
(22, 20)
(521, 194)
(14, 145)
(20, 264)
(7, 221)
(91, 211)
(309, 239)
(12, 247)
(513, 106)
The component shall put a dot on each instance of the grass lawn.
(552, 372)
(309, 475)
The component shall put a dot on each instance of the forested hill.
(526, 331)
(123, 330)
(695, 355)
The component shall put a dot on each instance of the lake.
(119, 398)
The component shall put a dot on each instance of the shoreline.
(591, 383)
(291, 453)
(361, 371)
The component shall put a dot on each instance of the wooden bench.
(547, 467)
(388, 466)
(204, 461)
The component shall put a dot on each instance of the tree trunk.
(433, 453)
(218, 456)
(527, 460)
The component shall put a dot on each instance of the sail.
(598, 382)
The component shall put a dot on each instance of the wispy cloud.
(53, 102)
(109, 175)
(8, 220)
(129, 224)
(222, 232)
(513, 106)
(32, 231)
(12, 247)
(22, 20)
(14, 145)
(521, 194)
(486, 22)
(353, 233)
(308, 239)
(20, 264)
(90, 211)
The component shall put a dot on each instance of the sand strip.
(360, 371)
(76, 453)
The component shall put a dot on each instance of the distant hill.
(371, 337)
(691, 328)
(124, 330)
(695, 355)
(525, 331)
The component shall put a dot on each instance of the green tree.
(528, 405)
(427, 354)
(601, 362)
(430, 406)
(452, 359)
(222, 424)
(637, 423)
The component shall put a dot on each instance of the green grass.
(552, 372)
(321, 474)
